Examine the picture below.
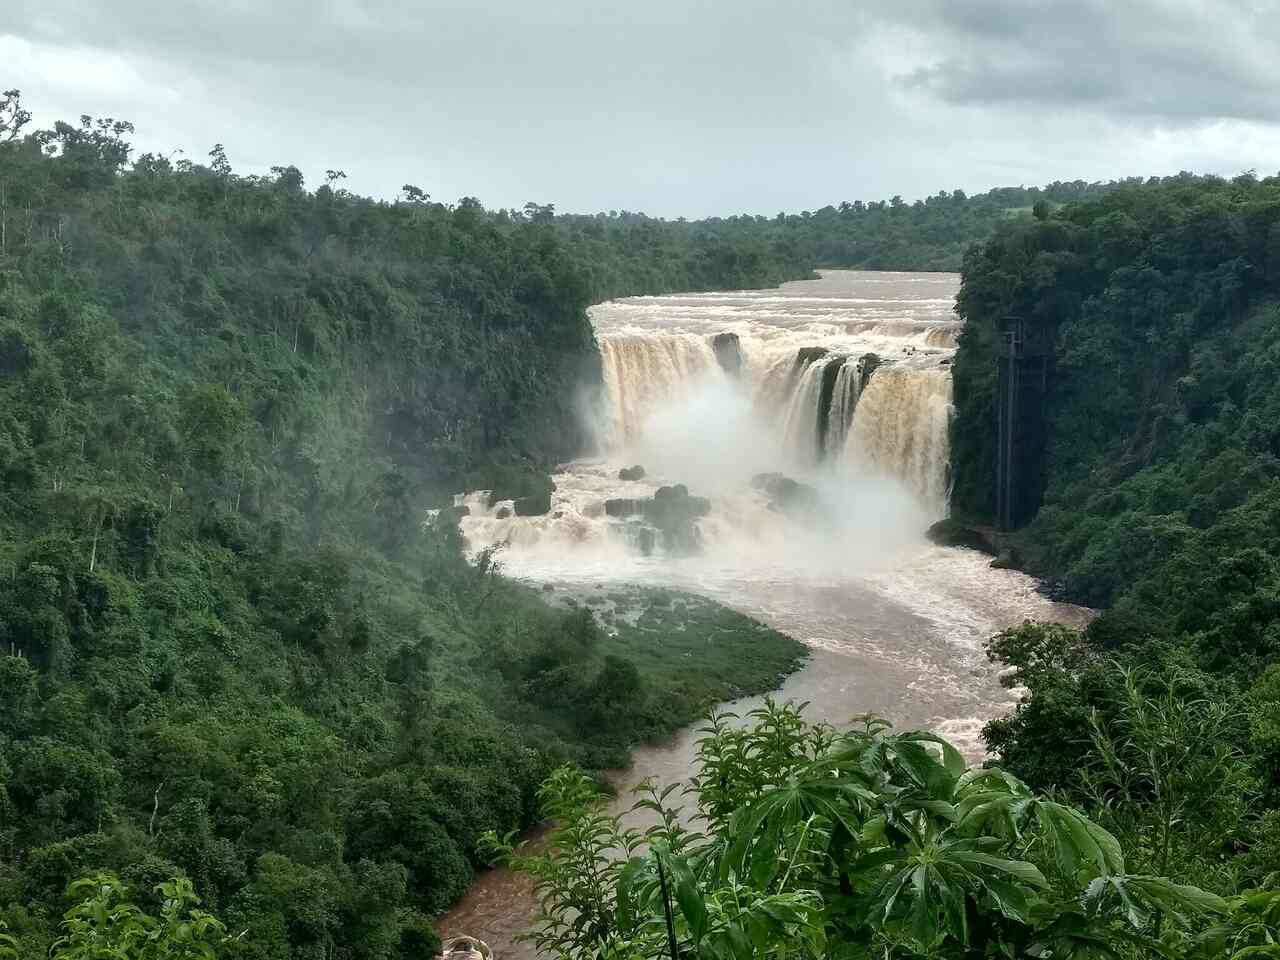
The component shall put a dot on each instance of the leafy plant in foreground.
(1167, 767)
(835, 844)
(105, 924)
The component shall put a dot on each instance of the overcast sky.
(673, 107)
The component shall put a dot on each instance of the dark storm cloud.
(672, 106)
(1182, 61)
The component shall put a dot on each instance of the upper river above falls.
(841, 384)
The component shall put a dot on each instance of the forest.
(627, 253)
(1160, 481)
(231, 652)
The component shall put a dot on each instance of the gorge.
(813, 419)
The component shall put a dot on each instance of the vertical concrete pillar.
(1022, 384)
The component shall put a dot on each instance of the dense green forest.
(230, 650)
(928, 234)
(627, 253)
(1161, 507)
(1159, 478)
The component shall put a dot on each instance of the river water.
(841, 384)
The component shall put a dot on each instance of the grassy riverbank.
(688, 653)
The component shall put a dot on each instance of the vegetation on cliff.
(928, 234)
(1161, 499)
(231, 653)
(229, 649)
(1163, 445)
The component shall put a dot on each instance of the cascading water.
(846, 391)
(793, 441)
(839, 384)
(642, 371)
(900, 426)
(804, 410)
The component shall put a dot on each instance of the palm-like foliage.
(853, 844)
(104, 924)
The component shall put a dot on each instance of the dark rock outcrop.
(675, 513)
(534, 506)
(670, 514)
(952, 533)
(1006, 559)
(786, 494)
(676, 502)
(806, 355)
(728, 351)
(631, 473)
(868, 364)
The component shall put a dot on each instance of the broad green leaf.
(627, 877)
(1010, 899)
(922, 766)
(953, 903)
(1028, 873)
(1079, 844)
(1178, 899)
(952, 760)
(1263, 951)
(939, 808)
(688, 896)
(924, 908)
(782, 912)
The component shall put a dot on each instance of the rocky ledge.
(787, 495)
(671, 511)
(976, 536)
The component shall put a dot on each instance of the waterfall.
(882, 415)
(804, 412)
(804, 427)
(900, 428)
(642, 371)
(847, 391)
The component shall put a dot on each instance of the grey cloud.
(670, 106)
(1176, 61)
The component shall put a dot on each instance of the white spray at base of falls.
(642, 372)
(826, 398)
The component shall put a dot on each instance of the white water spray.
(845, 394)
